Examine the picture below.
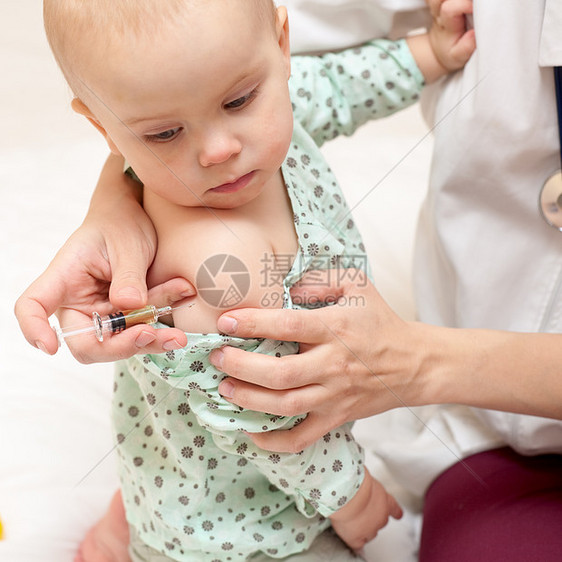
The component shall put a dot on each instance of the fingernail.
(188, 293)
(129, 293)
(226, 389)
(171, 345)
(216, 358)
(144, 338)
(227, 324)
(41, 346)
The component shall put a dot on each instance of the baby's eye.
(164, 135)
(242, 101)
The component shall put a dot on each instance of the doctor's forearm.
(507, 371)
(117, 214)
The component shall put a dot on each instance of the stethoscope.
(550, 199)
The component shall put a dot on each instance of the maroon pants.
(495, 506)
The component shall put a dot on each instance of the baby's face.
(202, 111)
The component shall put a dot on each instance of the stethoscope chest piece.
(550, 200)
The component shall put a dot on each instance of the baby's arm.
(360, 519)
(448, 45)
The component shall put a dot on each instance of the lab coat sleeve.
(327, 25)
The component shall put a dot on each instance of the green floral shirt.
(195, 487)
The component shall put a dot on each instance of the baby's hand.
(359, 520)
(452, 42)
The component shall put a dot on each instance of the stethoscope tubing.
(558, 90)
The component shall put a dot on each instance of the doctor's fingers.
(313, 428)
(33, 308)
(171, 292)
(303, 326)
(293, 402)
(32, 317)
(132, 341)
(321, 379)
(274, 373)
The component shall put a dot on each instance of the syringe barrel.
(123, 319)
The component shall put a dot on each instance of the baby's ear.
(282, 30)
(80, 107)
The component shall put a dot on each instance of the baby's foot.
(108, 539)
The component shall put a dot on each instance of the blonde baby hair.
(74, 25)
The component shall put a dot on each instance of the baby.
(222, 128)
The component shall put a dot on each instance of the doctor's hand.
(102, 267)
(357, 358)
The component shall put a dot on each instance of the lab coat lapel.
(551, 36)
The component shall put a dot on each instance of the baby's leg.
(108, 539)
(141, 552)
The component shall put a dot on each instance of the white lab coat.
(484, 256)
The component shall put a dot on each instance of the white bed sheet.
(57, 469)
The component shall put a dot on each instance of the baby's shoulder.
(222, 229)
(190, 237)
(223, 255)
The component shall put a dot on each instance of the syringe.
(114, 323)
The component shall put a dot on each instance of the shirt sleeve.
(335, 93)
